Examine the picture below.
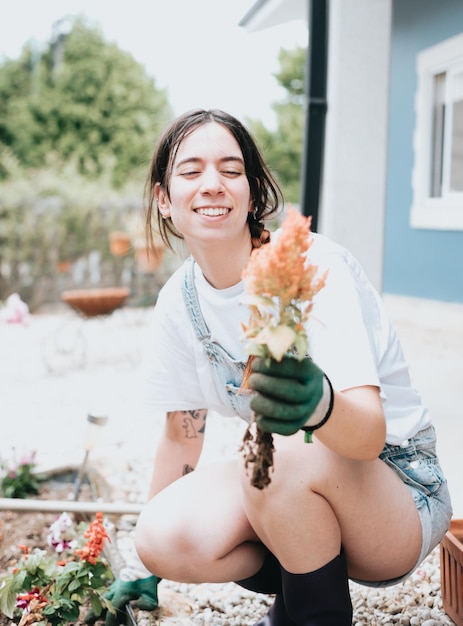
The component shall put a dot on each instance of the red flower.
(23, 600)
(25, 550)
(96, 535)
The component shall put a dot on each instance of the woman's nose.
(211, 181)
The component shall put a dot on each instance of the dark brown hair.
(265, 193)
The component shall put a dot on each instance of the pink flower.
(60, 536)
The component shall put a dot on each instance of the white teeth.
(212, 211)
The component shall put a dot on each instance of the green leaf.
(302, 345)
(96, 604)
(278, 340)
(70, 614)
(256, 349)
(73, 566)
(74, 585)
(258, 301)
(8, 597)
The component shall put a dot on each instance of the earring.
(254, 213)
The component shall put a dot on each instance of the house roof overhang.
(267, 13)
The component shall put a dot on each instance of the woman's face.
(209, 192)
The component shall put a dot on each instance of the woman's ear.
(162, 200)
(251, 204)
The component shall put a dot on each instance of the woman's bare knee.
(161, 541)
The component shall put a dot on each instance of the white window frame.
(444, 212)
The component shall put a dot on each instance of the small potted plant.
(149, 260)
(119, 243)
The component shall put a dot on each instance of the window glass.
(438, 122)
(456, 161)
(437, 175)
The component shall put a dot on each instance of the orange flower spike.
(280, 270)
(96, 535)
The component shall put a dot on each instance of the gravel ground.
(47, 389)
(415, 602)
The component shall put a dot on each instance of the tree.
(283, 147)
(83, 100)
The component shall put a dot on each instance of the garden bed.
(31, 528)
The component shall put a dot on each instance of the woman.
(367, 499)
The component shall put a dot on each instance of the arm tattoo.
(194, 423)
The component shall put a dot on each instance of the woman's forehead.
(208, 139)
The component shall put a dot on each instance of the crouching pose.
(366, 500)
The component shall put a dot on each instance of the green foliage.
(292, 73)
(57, 214)
(78, 119)
(17, 479)
(283, 147)
(82, 100)
(53, 585)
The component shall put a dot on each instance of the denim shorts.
(416, 464)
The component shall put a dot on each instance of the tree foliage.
(80, 99)
(283, 147)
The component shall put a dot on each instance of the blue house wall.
(417, 262)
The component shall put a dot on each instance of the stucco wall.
(354, 181)
(417, 262)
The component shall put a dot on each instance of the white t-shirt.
(350, 338)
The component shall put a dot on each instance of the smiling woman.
(209, 199)
(212, 192)
(371, 469)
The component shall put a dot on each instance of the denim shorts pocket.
(417, 468)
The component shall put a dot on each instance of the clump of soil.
(258, 451)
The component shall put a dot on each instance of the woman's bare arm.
(179, 447)
(357, 426)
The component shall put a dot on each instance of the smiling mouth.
(212, 211)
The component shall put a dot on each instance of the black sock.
(268, 580)
(319, 598)
(265, 580)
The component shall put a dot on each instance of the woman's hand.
(143, 593)
(290, 394)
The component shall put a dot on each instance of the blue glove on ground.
(143, 592)
(288, 394)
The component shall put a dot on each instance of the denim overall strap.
(227, 372)
(190, 297)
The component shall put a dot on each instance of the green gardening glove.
(144, 592)
(290, 395)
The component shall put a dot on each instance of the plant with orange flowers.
(280, 285)
(49, 587)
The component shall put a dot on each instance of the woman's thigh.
(196, 530)
(320, 495)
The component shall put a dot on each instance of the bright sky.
(194, 48)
